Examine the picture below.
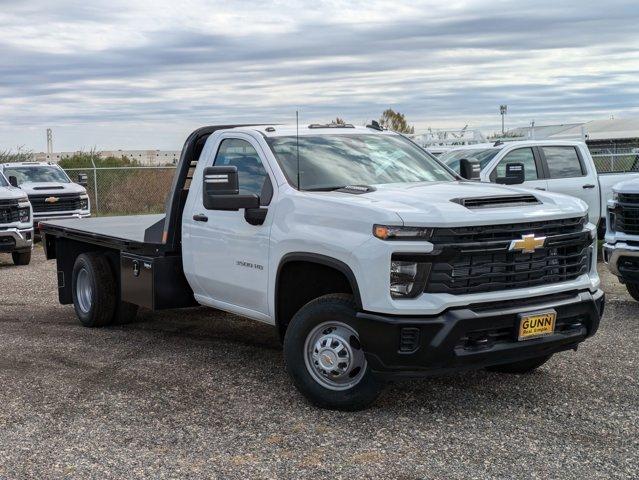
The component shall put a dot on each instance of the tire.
(525, 366)
(94, 290)
(21, 258)
(633, 290)
(355, 387)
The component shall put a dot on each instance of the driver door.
(229, 255)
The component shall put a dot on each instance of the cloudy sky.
(143, 73)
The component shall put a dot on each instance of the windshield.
(3, 181)
(329, 162)
(37, 173)
(483, 155)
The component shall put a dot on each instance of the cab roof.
(312, 129)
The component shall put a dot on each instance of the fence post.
(95, 188)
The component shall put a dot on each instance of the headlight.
(24, 214)
(390, 232)
(407, 278)
(84, 202)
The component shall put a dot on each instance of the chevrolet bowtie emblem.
(51, 199)
(527, 243)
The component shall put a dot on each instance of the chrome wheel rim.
(84, 290)
(334, 356)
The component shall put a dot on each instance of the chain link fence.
(616, 160)
(126, 190)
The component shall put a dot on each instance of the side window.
(251, 173)
(521, 155)
(563, 162)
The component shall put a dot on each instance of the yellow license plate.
(538, 324)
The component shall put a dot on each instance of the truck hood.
(439, 203)
(12, 193)
(45, 188)
(628, 186)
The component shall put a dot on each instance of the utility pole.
(503, 109)
(49, 141)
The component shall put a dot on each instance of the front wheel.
(633, 290)
(325, 358)
(524, 366)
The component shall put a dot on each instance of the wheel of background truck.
(94, 290)
(525, 366)
(633, 290)
(21, 258)
(324, 357)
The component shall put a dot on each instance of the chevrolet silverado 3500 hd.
(372, 259)
(621, 250)
(16, 223)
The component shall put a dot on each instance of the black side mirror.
(221, 190)
(13, 181)
(515, 174)
(83, 179)
(469, 169)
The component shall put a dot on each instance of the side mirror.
(221, 190)
(515, 174)
(13, 181)
(83, 179)
(469, 169)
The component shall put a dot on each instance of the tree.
(93, 157)
(395, 121)
(20, 155)
(339, 121)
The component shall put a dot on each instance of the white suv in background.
(51, 192)
(16, 225)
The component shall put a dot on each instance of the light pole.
(503, 109)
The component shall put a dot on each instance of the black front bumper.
(474, 337)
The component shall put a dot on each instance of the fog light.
(407, 278)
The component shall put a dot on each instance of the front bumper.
(475, 336)
(16, 239)
(614, 253)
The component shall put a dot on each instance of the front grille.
(626, 215)
(480, 261)
(65, 203)
(488, 233)
(9, 211)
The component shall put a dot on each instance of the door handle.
(200, 218)
(588, 185)
(540, 188)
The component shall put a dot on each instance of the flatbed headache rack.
(146, 258)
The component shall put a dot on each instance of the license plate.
(536, 324)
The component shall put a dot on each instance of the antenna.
(297, 144)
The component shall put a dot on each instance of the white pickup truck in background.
(621, 250)
(51, 192)
(557, 166)
(16, 223)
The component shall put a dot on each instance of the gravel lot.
(203, 394)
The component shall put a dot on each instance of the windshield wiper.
(323, 189)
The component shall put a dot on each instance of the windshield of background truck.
(483, 155)
(3, 181)
(332, 161)
(36, 174)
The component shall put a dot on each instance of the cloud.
(105, 67)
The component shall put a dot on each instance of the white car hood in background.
(42, 188)
(12, 193)
(628, 186)
(432, 204)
